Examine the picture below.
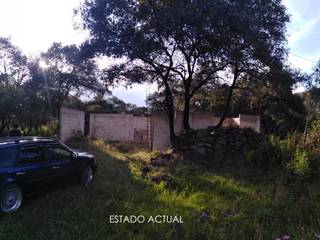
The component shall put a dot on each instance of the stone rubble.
(208, 145)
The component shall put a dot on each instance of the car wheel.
(87, 176)
(11, 199)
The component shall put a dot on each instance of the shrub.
(127, 147)
(264, 156)
(284, 153)
(300, 163)
(287, 146)
(314, 135)
(48, 130)
(77, 140)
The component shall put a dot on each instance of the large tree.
(183, 45)
(13, 74)
(13, 64)
(61, 72)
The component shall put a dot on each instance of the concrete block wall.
(202, 120)
(153, 130)
(160, 131)
(71, 122)
(117, 127)
(250, 121)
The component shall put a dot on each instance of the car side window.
(7, 156)
(58, 152)
(31, 154)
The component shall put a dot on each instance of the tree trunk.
(186, 113)
(170, 112)
(59, 116)
(8, 125)
(29, 130)
(3, 126)
(228, 101)
(24, 133)
(171, 124)
(305, 132)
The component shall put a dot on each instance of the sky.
(33, 25)
(304, 33)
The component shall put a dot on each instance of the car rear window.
(7, 156)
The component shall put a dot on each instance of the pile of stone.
(217, 145)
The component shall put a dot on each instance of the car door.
(32, 169)
(61, 159)
(7, 158)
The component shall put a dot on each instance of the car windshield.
(69, 148)
(7, 156)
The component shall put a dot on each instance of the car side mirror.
(75, 156)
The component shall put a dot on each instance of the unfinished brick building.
(151, 130)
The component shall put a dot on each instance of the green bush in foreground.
(300, 163)
(313, 140)
(264, 157)
(287, 154)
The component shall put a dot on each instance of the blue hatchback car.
(30, 164)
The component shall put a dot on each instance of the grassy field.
(213, 205)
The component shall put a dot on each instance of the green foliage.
(31, 96)
(66, 72)
(182, 46)
(13, 64)
(47, 130)
(77, 140)
(14, 73)
(286, 155)
(300, 163)
(113, 105)
(311, 99)
(313, 140)
(287, 145)
(264, 157)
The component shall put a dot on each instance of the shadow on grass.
(74, 212)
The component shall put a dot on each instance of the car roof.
(17, 141)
